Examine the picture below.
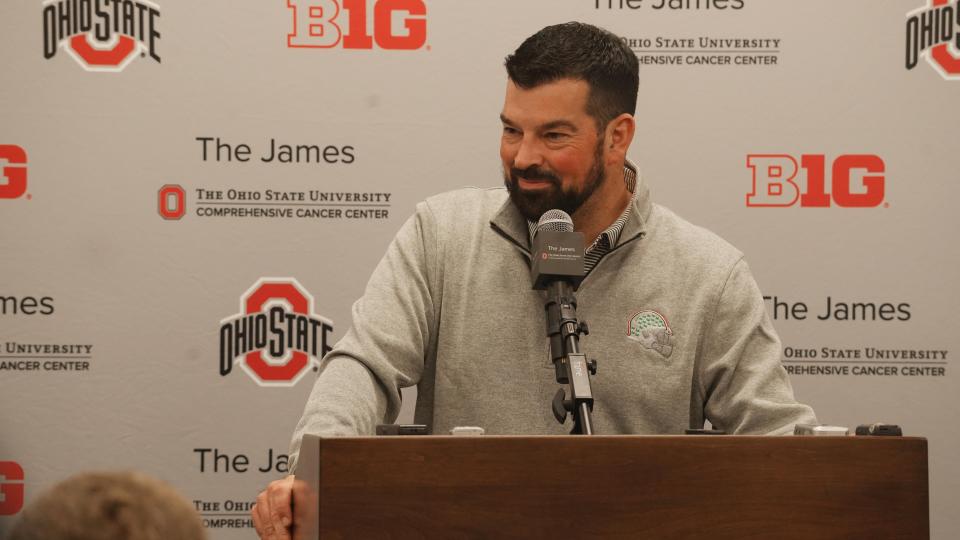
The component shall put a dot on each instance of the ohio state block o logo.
(275, 335)
(101, 35)
(172, 202)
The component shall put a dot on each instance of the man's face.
(552, 154)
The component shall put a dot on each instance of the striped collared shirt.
(609, 238)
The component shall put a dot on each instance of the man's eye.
(555, 136)
(507, 130)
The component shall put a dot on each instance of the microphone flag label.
(557, 255)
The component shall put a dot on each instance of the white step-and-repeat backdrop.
(169, 167)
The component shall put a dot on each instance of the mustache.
(533, 173)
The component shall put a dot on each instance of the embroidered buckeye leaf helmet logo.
(652, 330)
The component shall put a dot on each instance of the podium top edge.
(632, 438)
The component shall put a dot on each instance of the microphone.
(557, 268)
(557, 251)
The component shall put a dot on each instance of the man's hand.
(272, 513)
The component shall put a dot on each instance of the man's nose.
(529, 153)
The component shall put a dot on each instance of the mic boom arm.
(571, 366)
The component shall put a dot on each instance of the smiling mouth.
(533, 183)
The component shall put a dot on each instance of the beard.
(532, 204)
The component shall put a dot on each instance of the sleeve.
(744, 386)
(394, 324)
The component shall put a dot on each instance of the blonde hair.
(109, 506)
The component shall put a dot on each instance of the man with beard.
(677, 322)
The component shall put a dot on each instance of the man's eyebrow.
(565, 124)
(555, 124)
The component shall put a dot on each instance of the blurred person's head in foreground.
(109, 506)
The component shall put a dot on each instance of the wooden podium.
(702, 486)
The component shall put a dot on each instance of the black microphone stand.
(570, 364)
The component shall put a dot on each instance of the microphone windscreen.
(555, 220)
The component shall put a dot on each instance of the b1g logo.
(276, 336)
(11, 488)
(172, 202)
(101, 35)
(856, 180)
(934, 32)
(397, 24)
(13, 171)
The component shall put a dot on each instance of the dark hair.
(584, 52)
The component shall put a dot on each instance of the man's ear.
(619, 135)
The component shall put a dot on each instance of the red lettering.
(357, 38)
(775, 182)
(315, 24)
(416, 27)
(14, 172)
(874, 185)
(816, 194)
